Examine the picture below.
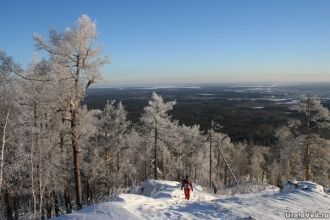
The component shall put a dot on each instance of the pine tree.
(157, 122)
(315, 117)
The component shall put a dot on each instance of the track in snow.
(165, 200)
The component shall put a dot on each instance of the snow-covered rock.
(165, 200)
(303, 185)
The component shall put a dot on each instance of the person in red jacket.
(186, 185)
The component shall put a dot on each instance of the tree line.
(57, 156)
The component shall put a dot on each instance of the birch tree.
(7, 108)
(13, 172)
(41, 104)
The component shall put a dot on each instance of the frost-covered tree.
(133, 157)
(315, 117)
(115, 121)
(157, 123)
(258, 163)
(213, 137)
(301, 140)
(320, 160)
(41, 100)
(13, 170)
(193, 142)
(223, 151)
(240, 160)
(9, 106)
(107, 152)
(76, 64)
(275, 174)
(289, 154)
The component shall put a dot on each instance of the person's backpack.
(185, 184)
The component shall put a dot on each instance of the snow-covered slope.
(165, 200)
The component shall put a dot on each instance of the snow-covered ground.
(165, 200)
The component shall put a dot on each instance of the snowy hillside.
(164, 200)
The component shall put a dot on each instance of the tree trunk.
(41, 205)
(67, 194)
(87, 190)
(155, 149)
(76, 159)
(67, 198)
(164, 169)
(210, 171)
(195, 174)
(34, 143)
(15, 201)
(218, 168)
(230, 170)
(56, 206)
(49, 210)
(62, 141)
(41, 194)
(75, 104)
(307, 148)
(263, 174)
(145, 162)
(307, 161)
(225, 181)
(117, 168)
(3, 149)
(92, 191)
(9, 211)
(42, 217)
(34, 200)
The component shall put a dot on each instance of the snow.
(165, 200)
(169, 87)
(206, 94)
(303, 185)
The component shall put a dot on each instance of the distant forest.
(234, 110)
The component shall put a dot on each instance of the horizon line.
(187, 85)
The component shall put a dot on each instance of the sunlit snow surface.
(165, 200)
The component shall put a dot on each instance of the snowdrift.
(159, 189)
(291, 186)
(157, 199)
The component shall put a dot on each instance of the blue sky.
(186, 41)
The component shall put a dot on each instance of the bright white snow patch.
(165, 200)
(205, 94)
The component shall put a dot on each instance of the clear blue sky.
(185, 41)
